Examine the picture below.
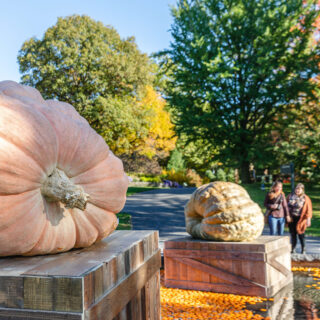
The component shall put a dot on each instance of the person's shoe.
(293, 251)
(303, 251)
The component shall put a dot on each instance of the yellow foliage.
(183, 176)
(161, 137)
(176, 176)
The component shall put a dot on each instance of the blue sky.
(148, 21)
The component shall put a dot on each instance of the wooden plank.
(110, 304)
(272, 290)
(113, 268)
(88, 290)
(205, 277)
(79, 262)
(262, 244)
(217, 287)
(38, 293)
(16, 314)
(145, 301)
(16, 266)
(110, 275)
(271, 259)
(53, 294)
(217, 272)
(67, 294)
(154, 294)
(225, 255)
(11, 292)
(194, 274)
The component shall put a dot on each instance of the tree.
(87, 64)
(297, 139)
(176, 161)
(161, 136)
(236, 65)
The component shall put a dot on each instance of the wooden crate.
(117, 278)
(261, 267)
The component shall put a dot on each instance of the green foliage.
(230, 176)
(176, 161)
(149, 178)
(210, 175)
(87, 64)
(177, 176)
(120, 121)
(133, 190)
(234, 66)
(221, 175)
(124, 221)
(298, 140)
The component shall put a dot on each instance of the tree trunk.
(244, 172)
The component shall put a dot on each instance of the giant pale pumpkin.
(223, 211)
(60, 185)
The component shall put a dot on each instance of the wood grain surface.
(117, 278)
(261, 267)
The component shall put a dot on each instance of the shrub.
(210, 175)
(194, 179)
(176, 161)
(156, 179)
(231, 175)
(221, 175)
(176, 176)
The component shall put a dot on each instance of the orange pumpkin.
(60, 185)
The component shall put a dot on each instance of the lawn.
(313, 192)
(133, 190)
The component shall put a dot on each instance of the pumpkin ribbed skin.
(223, 211)
(38, 137)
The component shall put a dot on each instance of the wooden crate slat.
(225, 255)
(217, 287)
(271, 260)
(53, 294)
(261, 264)
(16, 314)
(110, 304)
(76, 263)
(11, 289)
(217, 272)
(65, 286)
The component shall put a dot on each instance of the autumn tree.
(236, 65)
(161, 136)
(87, 64)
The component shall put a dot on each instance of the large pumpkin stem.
(58, 187)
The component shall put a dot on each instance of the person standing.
(277, 209)
(300, 209)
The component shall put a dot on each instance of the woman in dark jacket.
(277, 209)
(300, 209)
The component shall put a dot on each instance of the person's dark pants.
(294, 234)
(276, 225)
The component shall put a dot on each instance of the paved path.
(162, 209)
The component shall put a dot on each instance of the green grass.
(258, 195)
(124, 221)
(133, 190)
